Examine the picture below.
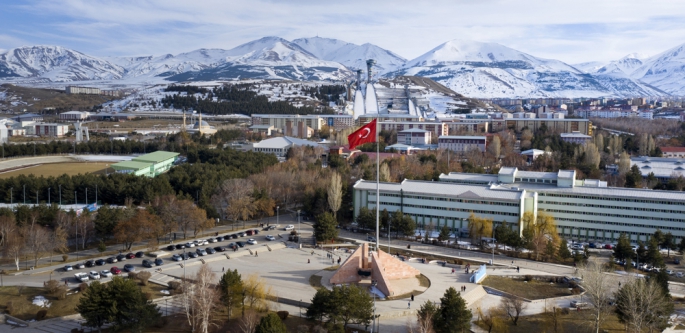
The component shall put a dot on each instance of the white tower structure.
(80, 131)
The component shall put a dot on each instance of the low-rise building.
(414, 137)
(52, 130)
(279, 146)
(82, 90)
(673, 152)
(264, 130)
(149, 165)
(532, 154)
(437, 129)
(74, 115)
(575, 137)
(462, 144)
(663, 168)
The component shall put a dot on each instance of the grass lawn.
(574, 321)
(24, 309)
(531, 290)
(58, 169)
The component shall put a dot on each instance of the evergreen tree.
(133, 310)
(324, 228)
(95, 306)
(623, 250)
(653, 255)
(563, 251)
(271, 323)
(444, 233)
(231, 286)
(453, 316)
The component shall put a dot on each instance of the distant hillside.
(18, 98)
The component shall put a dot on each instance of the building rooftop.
(672, 149)
(413, 130)
(156, 157)
(444, 189)
(131, 165)
(662, 167)
(467, 137)
(575, 135)
(283, 141)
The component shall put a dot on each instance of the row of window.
(613, 207)
(536, 180)
(613, 215)
(592, 197)
(476, 202)
(489, 212)
(621, 224)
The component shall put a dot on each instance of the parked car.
(170, 248)
(176, 257)
(121, 257)
(242, 234)
(115, 270)
(190, 244)
(185, 256)
(80, 266)
(608, 246)
(81, 277)
(147, 263)
(201, 252)
(105, 273)
(159, 262)
(370, 239)
(232, 246)
(220, 249)
(592, 245)
(192, 254)
(241, 244)
(234, 236)
(676, 261)
(256, 231)
(68, 268)
(578, 304)
(131, 255)
(100, 262)
(251, 241)
(129, 268)
(94, 275)
(249, 232)
(140, 254)
(271, 227)
(211, 240)
(112, 260)
(289, 227)
(670, 272)
(679, 274)
(219, 239)
(180, 246)
(270, 238)
(90, 263)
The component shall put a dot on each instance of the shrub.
(132, 275)
(61, 292)
(174, 285)
(82, 287)
(52, 286)
(10, 308)
(148, 295)
(527, 278)
(565, 311)
(144, 276)
(65, 257)
(40, 315)
(302, 329)
(282, 314)
(319, 329)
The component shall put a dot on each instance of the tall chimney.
(369, 66)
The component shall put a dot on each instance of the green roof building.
(149, 165)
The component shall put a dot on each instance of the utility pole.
(60, 196)
(24, 194)
(298, 228)
(48, 196)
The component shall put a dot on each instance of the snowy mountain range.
(475, 69)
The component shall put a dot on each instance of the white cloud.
(572, 31)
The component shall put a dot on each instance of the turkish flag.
(365, 134)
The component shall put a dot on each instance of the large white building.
(663, 168)
(583, 209)
(279, 145)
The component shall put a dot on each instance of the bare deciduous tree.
(14, 247)
(249, 322)
(494, 319)
(513, 307)
(642, 304)
(597, 291)
(205, 297)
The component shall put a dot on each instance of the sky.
(573, 31)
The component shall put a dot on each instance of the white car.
(679, 274)
(81, 277)
(176, 257)
(190, 244)
(289, 227)
(270, 238)
(105, 273)
(211, 240)
(68, 268)
(251, 241)
(201, 252)
(94, 275)
(201, 242)
(670, 272)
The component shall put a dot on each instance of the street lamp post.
(373, 326)
(48, 196)
(243, 304)
(60, 196)
(24, 194)
(11, 196)
(277, 207)
(298, 227)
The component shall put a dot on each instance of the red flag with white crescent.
(365, 134)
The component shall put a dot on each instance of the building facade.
(462, 144)
(82, 90)
(148, 165)
(74, 115)
(52, 130)
(414, 136)
(438, 129)
(583, 126)
(575, 137)
(584, 210)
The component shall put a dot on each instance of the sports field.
(58, 169)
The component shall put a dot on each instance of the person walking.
(412, 297)
(408, 305)
(223, 269)
(452, 270)
(308, 261)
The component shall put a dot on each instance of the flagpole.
(378, 180)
